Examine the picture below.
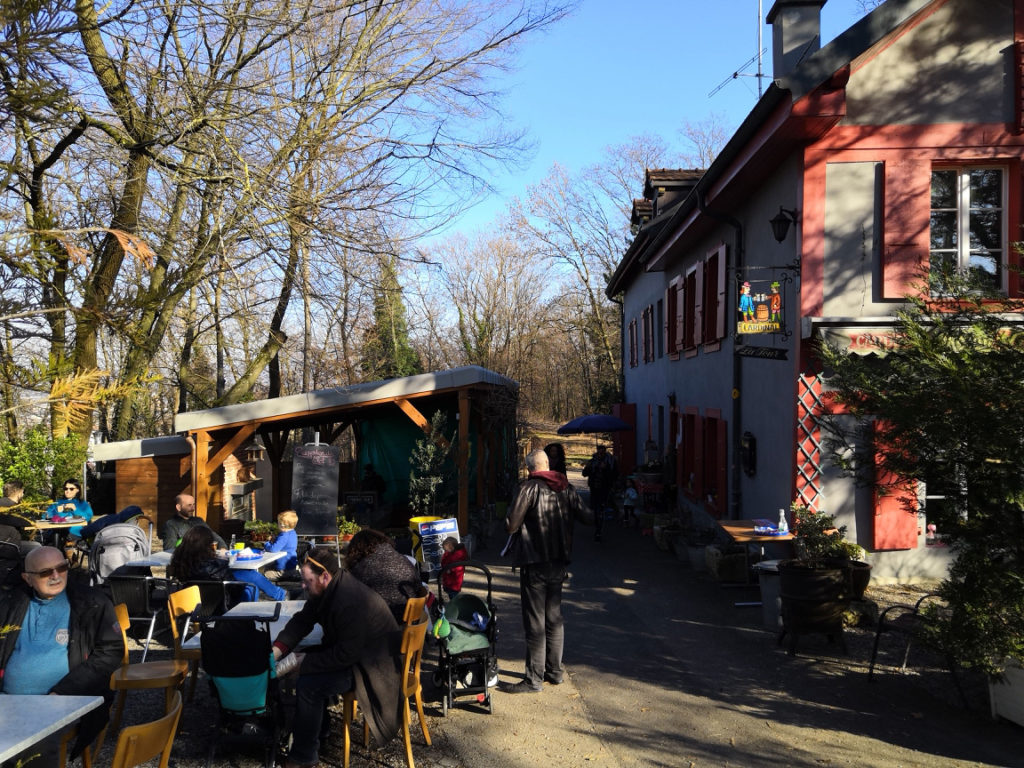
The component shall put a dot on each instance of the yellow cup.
(239, 545)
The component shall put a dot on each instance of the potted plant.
(814, 587)
(259, 530)
(817, 539)
(347, 528)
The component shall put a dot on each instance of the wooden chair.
(169, 674)
(413, 637)
(414, 609)
(179, 604)
(138, 744)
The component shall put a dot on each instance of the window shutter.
(680, 315)
(895, 507)
(698, 305)
(722, 301)
(906, 236)
(698, 457)
(722, 467)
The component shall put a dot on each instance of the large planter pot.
(813, 598)
(1007, 695)
(858, 578)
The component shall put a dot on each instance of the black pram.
(466, 632)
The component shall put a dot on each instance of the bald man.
(184, 518)
(541, 523)
(64, 638)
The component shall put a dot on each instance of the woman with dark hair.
(373, 559)
(71, 506)
(556, 457)
(196, 559)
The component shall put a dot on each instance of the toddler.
(630, 500)
(454, 551)
(285, 541)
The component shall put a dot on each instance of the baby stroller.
(466, 632)
(238, 659)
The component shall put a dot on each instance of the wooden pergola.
(217, 433)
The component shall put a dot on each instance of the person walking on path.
(540, 524)
(601, 472)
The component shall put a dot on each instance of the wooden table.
(742, 532)
(61, 528)
(28, 720)
(266, 608)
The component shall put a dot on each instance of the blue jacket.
(285, 541)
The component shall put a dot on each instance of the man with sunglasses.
(359, 651)
(63, 638)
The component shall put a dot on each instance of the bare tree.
(705, 139)
(228, 135)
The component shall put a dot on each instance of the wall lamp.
(780, 223)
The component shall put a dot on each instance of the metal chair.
(169, 674)
(138, 744)
(145, 598)
(180, 606)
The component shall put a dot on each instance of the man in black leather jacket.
(91, 636)
(541, 525)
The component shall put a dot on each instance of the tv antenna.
(758, 58)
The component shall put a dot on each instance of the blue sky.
(618, 69)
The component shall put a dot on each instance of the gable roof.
(795, 109)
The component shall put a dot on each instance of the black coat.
(95, 649)
(359, 634)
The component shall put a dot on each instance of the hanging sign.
(760, 307)
(765, 353)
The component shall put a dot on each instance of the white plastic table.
(163, 559)
(266, 608)
(28, 720)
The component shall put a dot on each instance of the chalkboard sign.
(361, 506)
(315, 489)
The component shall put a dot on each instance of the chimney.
(796, 33)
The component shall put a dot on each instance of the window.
(648, 331)
(968, 226)
(634, 353)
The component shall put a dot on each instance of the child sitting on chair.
(285, 541)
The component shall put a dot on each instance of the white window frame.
(963, 248)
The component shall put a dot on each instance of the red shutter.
(680, 314)
(722, 301)
(722, 467)
(895, 515)
(624, 443)
(906, 236)
(698, 304)
(698, 457)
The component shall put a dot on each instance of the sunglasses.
(48, 572)
(70, 488)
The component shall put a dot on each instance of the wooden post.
(201, 473)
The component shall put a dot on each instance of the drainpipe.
(737, 371)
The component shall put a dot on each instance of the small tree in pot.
(942, 406)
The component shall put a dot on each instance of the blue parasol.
(593, 422)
